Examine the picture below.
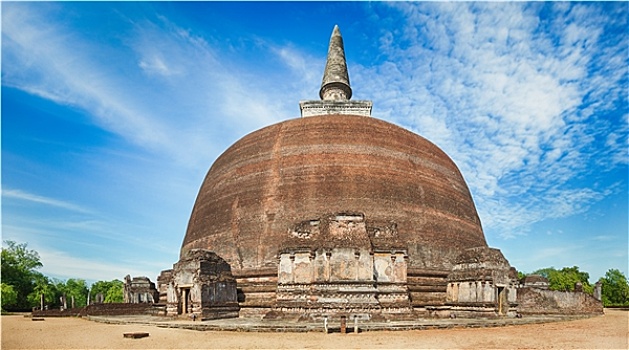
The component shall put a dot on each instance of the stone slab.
(135, 335)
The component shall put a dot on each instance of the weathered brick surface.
(304, 169)
(331, 181)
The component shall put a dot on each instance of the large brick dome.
(260, 190)
(339, 216)
(336, 213)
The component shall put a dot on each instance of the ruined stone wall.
(257, 291)
(340, 264)
(163, 280)
(69, 312)
(426, 287)
(472, 292)
(340, 278)
(390, 267)
(343, 280)
(539, 301)
(201, 286)
(140, 290)
(107, 309)
(111, 309)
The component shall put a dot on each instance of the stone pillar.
(357, 262)
(311, 261)
(285, 266)
(343, 324)
(598, 291)
(488, 292)
(328, 272)
(471, 292)
(292, 267)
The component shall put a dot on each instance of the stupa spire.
(335, 90)
(335, 84)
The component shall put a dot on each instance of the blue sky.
(112, 113)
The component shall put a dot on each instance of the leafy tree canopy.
(115, 294)
(615, 289)
(76, 288)
(8, 295)
(23, 285)
(112, 291)
(43, 285)
(566, 278)
(18, 269)
(19, 257)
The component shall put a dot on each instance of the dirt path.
(604, 332)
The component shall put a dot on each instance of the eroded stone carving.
(200, 286)
(139, 290)
(306, 229)
(483, 282)
(334, 268)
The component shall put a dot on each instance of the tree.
(76, 288)
(43, 285)
(566, 278)
(18, 269)
(115, 294)
(112, 291)
(615, 289)
(8, 296)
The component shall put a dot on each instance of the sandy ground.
(603, 332)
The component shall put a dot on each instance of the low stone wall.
(108, 309)
(75, 312)
(111, 309)
(534, 301)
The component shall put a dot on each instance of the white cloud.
(29, 197)
(156, 65)
(53, 63)
(168, 91)
(511, 103)
(62, 265)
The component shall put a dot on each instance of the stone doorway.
(503, 306)
(184, 301)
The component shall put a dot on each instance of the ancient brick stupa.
(336, 213)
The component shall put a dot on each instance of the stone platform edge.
(248, 325)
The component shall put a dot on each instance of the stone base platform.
(257, 325)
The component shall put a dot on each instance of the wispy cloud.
(169, 91)
(60, 264)
(29, 197)
(508, 94)
(55, 261)
(54, 63)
